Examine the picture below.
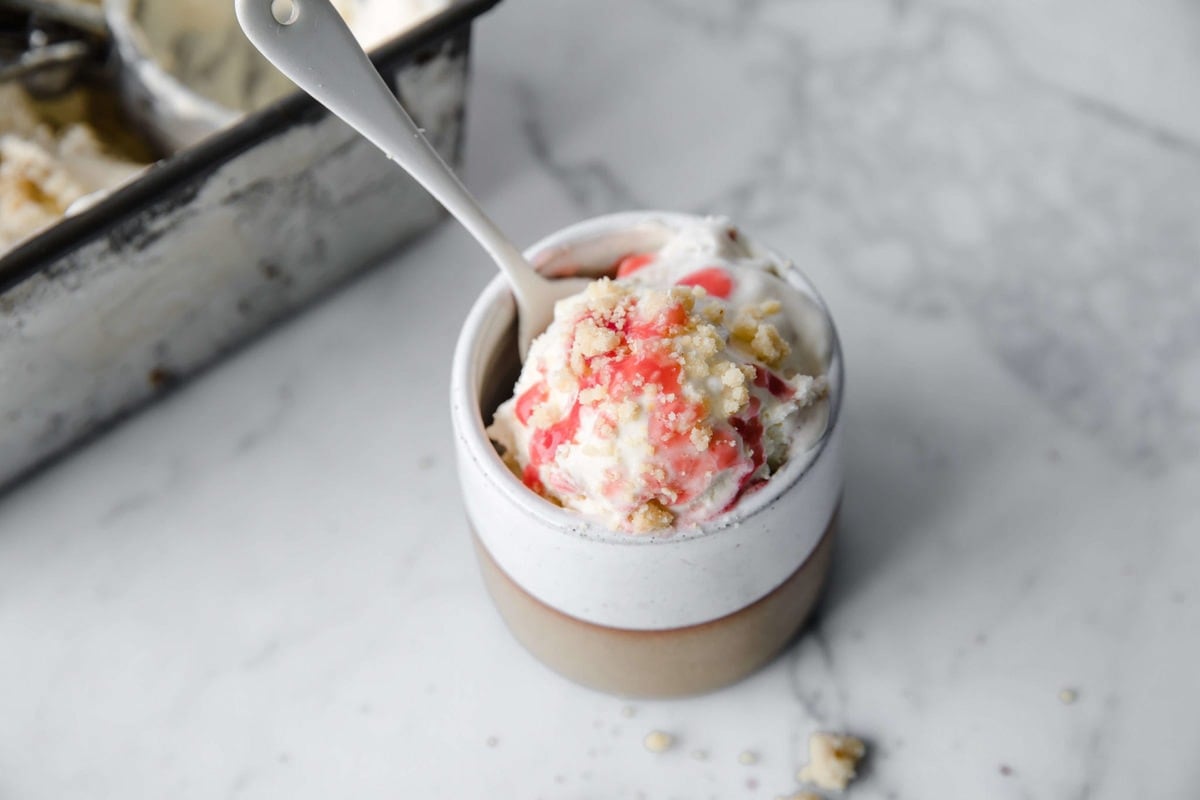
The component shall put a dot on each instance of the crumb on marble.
(747, 758)
(1068, 696)
(658, 741)
(832, 759)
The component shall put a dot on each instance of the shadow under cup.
(639, 615)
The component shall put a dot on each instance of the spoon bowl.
(308, 41)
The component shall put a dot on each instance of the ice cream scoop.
(308, 41)
(662, 397)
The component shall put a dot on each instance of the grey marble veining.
(263, 587)
(938, 171)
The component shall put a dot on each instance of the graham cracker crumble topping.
(591, 340)
(735, 393)
(761, 338)
(651, 517)
(694, 342)
(543, 416)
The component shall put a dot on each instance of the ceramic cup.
(641, 615)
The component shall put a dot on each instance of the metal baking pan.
(108, 308)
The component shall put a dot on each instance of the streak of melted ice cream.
(660, 398)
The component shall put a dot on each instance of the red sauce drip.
(777, 386)
(613, 484)
(714, 280)
(645, 360)
(639, 329)
(749, 427)
(528, 402)
(688, 470)
(544, 442)
(632, 263)
(695, 470)
(531, 478)
(628, 376)
(727, 450)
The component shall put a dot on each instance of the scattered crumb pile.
(658, 741)
(832, 759)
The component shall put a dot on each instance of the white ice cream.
(658, 399)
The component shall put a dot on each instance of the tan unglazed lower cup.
(652, 615)
(660, 663)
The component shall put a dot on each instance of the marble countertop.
(263, 586)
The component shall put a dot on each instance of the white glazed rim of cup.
(467, 416)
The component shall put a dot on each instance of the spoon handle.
(315, 48)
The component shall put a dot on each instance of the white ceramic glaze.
(616, 579)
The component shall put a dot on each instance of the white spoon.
(308, 42)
